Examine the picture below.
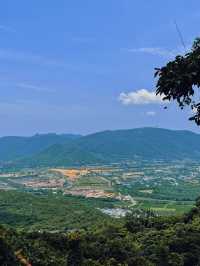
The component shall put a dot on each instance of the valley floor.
(133, 213)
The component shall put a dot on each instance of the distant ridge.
(117, 145)
(14, 147)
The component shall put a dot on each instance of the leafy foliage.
(25, 211)
(179, 79)
(143, 239)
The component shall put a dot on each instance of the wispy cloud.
(151, 113)
(30, 58)
(6, 28)
(34, 87)
(142, 96)
(42, 61)
(156, 51)
(83, 39)
(40, 110)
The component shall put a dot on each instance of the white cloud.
(151, 113)
(142, 96)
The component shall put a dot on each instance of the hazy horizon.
(94, 132)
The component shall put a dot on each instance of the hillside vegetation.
(102, 147)
(141, 240)
(119, 145)
(26, 211)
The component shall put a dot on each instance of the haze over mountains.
(102, 147)
(13, 147)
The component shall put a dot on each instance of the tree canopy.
(179, 80)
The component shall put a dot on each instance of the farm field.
(166, 188)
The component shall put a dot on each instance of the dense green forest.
(141, 240)
(49, 212)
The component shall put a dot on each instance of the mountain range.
(103, 147)
(15, 147)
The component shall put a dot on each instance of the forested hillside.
(141, 240)
(102, 147)
(119, 145)
(12, 148)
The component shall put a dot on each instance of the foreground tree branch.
(179, 80)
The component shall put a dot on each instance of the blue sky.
(71, 66)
